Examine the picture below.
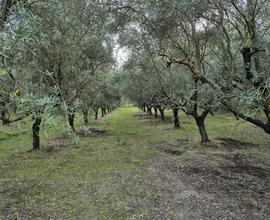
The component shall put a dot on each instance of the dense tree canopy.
(190, 56)
(221, 44)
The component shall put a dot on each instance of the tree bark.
(36, 135)
(4, 10)
(103, 113)
(176, 118)
(162, 115)
(85, 117)
(149, 110)
(253, 120)
(4, 118)
(246, 52)
(200, 123)
(71, 116)
(96, 113)
(156, 112)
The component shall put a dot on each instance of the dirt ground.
(221, 184)
(144, 169)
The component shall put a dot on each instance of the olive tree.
(231, 34)
(47, 57)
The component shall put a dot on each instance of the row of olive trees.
(152, 86)
(55, 57)
(222, 46)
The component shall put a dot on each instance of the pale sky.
(121, 55)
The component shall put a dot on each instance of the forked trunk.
(71, 117)
(36, 131)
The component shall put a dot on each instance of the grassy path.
(127, 173)
(80, 181)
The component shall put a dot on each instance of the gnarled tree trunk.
(4, 118)
(36, 131)
(162, 114)
(156, 112)
(103, 112)
(149, 110)
(71, 116)
(200, 123)
(247, 54)
(176, 118)
(5, 7)
(96, 113)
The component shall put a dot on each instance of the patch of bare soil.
(46, 150)
(84, 133)
(55, 146)
(63, 141)
(203, 187)
(233, 144)
(177, 149)
(91, 132)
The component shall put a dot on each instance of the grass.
(89, 181)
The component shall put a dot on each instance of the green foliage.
(57, 54)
